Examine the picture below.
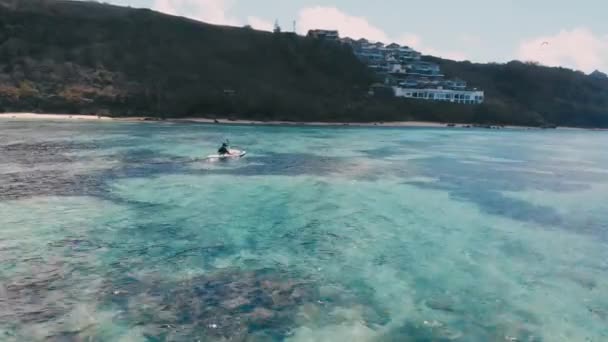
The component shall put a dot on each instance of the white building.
(403, 68)
(425, 69)
(439, 94)
(456, 84)
(396, 68)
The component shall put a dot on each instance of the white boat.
(234, 154)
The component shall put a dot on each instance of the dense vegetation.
(555, 95)
(84, 57)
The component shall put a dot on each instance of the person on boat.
(225, 149)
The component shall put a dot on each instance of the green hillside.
(556, 95)
(85, 57)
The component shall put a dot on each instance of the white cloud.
(318, 17)
(260, 24)
(578, 48)
(331, 18)
(209, 11)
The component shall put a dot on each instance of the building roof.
(323, 31)
(333, 34)
(423, 63)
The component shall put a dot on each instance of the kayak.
(233, 155)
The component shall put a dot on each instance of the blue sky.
(477, 30)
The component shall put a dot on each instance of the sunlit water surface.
(122, 232)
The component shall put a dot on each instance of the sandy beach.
(428, 124)
(37, 116)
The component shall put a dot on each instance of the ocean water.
(123, 232)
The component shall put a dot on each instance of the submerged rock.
(599, 312)
(225, 305)
(234, 303)
(585, 280)
(34, 297)
(441, 304)
(261, 316)
(449, 334)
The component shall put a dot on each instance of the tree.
(27, 89)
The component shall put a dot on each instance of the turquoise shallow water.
(120, 232)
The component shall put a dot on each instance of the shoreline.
(44, 116)
(223, 121)
(311, 123)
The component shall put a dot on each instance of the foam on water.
(321, 234)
